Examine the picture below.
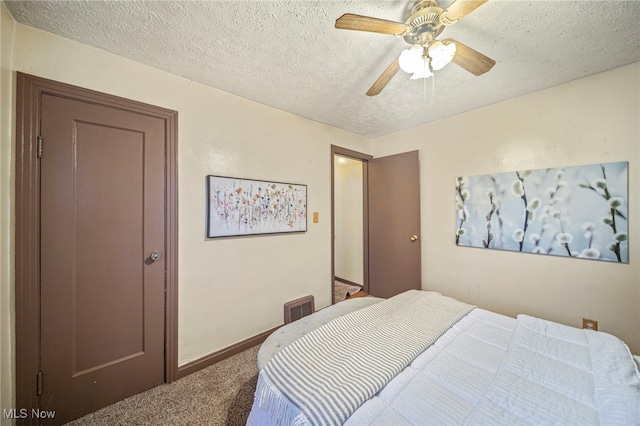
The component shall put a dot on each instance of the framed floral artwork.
(249, 207)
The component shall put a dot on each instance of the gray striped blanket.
(324, 376)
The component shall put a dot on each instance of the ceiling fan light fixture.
(413, 61)
(427, 55)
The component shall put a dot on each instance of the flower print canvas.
(576, 211)
(249, 207)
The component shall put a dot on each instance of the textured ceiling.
(287, 54)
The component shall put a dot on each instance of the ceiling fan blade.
(349, 21)
(385, 78)
(460, 8)
(471, 60)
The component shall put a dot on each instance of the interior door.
(102, 255)
(394, 224)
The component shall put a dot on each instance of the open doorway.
(349, 222)
(375, 222)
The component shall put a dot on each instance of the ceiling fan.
(427, 21)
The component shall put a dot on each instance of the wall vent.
(296, 309)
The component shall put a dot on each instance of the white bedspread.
(492, 369)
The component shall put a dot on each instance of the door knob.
(154, 256)
(414, 238)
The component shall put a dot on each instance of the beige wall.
(348, 220)
(588, 121)
(7, 26)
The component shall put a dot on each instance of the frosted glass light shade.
(413, 62)
(441, 54)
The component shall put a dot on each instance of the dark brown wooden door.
(102, 217)
(394, 224)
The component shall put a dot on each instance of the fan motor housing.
(425, 23)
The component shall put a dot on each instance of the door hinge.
(39, 382)
(39, 147)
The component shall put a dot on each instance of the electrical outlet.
(316, 217)
(590, 324)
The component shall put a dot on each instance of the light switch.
(316, 217)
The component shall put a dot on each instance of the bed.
(421, 358)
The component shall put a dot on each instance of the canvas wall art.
(249, 207)
(576, 211)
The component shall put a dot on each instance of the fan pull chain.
(424, 87)
(433, 79)
(424, 90)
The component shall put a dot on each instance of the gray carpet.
(221, 394)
